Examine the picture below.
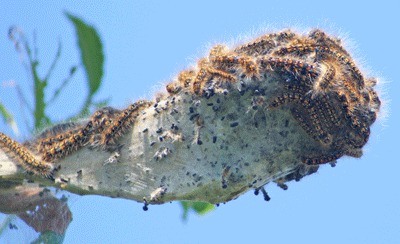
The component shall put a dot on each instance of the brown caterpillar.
(24, 157)
(122, 122)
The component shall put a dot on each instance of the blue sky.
(148, 42)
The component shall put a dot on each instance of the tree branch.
(234, 148)
(227, 127)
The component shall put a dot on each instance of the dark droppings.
(214, 140)
(234, 124)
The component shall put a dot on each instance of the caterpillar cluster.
(104, 127)
(320, 85)
(327, 94)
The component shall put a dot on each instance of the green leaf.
(41, 120)
(8, 118)
(91, 50)
(201, 208)
(49, 237)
